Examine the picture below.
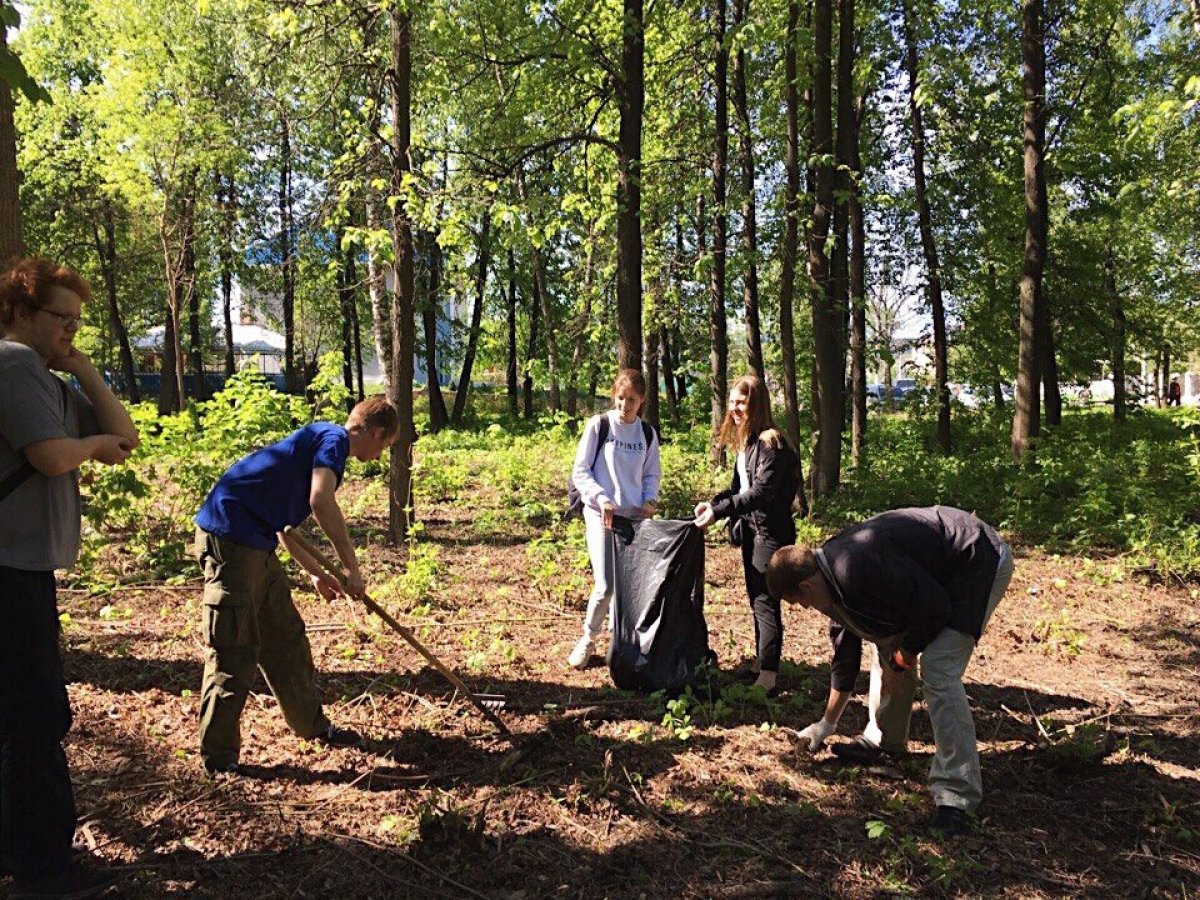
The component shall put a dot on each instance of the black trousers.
(768, 618)
(37, 807)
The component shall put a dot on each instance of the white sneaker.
(582, 654)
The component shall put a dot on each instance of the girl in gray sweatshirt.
(620, 477)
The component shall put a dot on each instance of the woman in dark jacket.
(759, 507)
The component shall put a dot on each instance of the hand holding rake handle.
(405, 633)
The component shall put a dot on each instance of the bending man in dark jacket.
(916, 583)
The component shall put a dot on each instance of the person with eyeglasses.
(48, 429)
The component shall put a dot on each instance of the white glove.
(816, 733)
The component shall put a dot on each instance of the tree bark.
(287, 254)
(668, 374)
(741, 105)
(1027, 413)
(346, 301)
(541, 300)
(828, 319)
(169, 399)
(356, 322)
(227, 206)
(400, 79)
(631, 91)
(106, 251)
(650, 410)
(12, 244)
(482, 262)
(858, 298)
(531, 355)
(790, 249)
(196, 351)
(839, 268)
(933, 273)
(717, 324)
(381, 306)
(1052, 396)
(438, 417)
(512, 369)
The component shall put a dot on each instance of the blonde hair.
(757, 420)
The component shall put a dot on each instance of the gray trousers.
(601, 550)
(954, 776)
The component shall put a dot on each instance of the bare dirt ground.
(613, 803)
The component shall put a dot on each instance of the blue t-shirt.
(268, 490)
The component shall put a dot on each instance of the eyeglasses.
(68, 322)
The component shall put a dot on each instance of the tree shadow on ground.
(616, 827)
(724, 843)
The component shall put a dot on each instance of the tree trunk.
(381, 306)
(346, 301)
(839, 263)
(631, 91)
(511, 371)
(196, 340)
(531, 356)
(1049, 367)
(650, 409)
(741, 105)
(352, 271)
(106, 251)
(828, 322)
(438, 417)
(668, 374)
(718, 378)
(790, 249)
(858, 298)
(169, 399)
(482, 261)
(400, 78)
(171, 392)
(12, 244)
(933, 273)
(287, 261)
(541, 300)
(1027, 413)
(227, 206)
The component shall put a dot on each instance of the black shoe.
(951, 821)
(339, 737)
(857, 752)
(214, 768)
(75, 882)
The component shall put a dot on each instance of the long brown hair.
(758, 413)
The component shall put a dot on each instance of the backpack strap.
(601, 437)
(15, 479)
(25, 470)
(649, 433)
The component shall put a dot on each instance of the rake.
(485, 703)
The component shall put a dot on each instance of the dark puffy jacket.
(766, 507)
(914, 572)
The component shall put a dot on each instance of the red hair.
(27, 283)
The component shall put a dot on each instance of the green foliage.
(1131, 488)
(1059, 635)
(151, 501)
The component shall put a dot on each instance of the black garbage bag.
(659, 635)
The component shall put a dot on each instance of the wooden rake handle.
(334, 570)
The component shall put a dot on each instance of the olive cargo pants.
(250, 622)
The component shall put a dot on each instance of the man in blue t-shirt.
(249, 618)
